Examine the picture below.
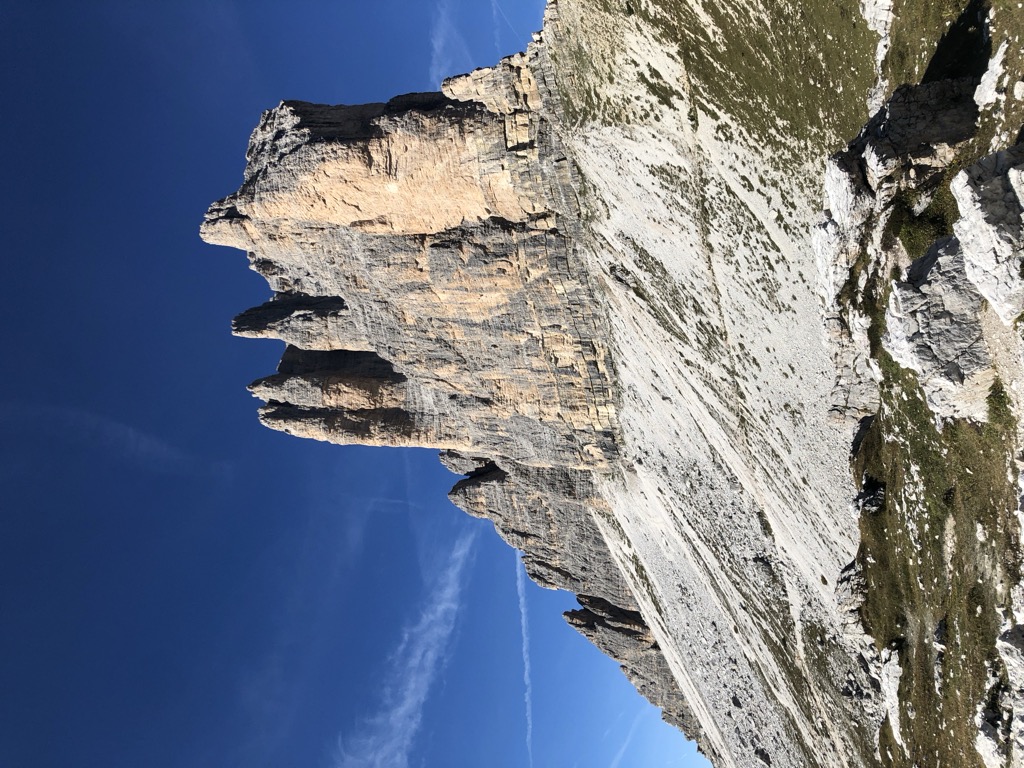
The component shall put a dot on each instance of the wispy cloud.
(629, 738)
(449, 54)
(104, 437)
(317, 556)
(385, 740)
(524, 624)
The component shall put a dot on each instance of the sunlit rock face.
(440, 236)
(440, 282)
(989, 196)
(424, 255)
(599, 279)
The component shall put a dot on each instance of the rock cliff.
(424, 255)
(768, 442)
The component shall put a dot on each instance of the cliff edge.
(424, 256)
(737, 421)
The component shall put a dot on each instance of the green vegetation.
(938, 533)
(778, 76)
(918, 232)
(937, 39)
(660, 89)
(938, 536)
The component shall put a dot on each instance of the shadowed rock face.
(635, 381)
(437, 286)
(423, 255)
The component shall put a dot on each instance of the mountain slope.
(601, 278)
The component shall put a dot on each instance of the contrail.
(449, 53)
(524, 623)
(494, 24)
(629, 738)
(496, 6)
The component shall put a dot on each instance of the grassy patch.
(777, 76)
(660, 89)
(776, 68)
(917, 232)
(938, 543)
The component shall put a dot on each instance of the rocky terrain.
(714, 306)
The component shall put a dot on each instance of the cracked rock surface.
(934, 329)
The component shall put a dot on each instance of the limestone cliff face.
(424, 258)
(439, 282)
(598, 277)
(438, 236)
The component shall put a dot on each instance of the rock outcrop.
(596, 278)
(439, 282)
(933, 327)
(990, 196)
(424, 258)
(900, 153)
(922, 251)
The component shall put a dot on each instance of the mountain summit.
(714, 305)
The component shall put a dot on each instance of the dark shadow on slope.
(966, 47)
(862, 429)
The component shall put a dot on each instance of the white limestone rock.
(879, 16)
(904, 147)
(1011, 650)
(989, 89)
(934, 329)
(892, 672)
(616, 333)
(989, 195)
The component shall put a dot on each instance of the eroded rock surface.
(989, 195)
(934, 328)
(439, 284)
(424, 258)
(595, 277)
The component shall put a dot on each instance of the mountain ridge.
(603, 284)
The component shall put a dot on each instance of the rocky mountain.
(714, 305)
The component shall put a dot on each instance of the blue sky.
(180, 586)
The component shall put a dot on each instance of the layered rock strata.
(438, 285)
(424, 259)
(596, 277)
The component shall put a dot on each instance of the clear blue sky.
(179, 586)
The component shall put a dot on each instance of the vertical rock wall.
(424, 259)
(589, 277)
